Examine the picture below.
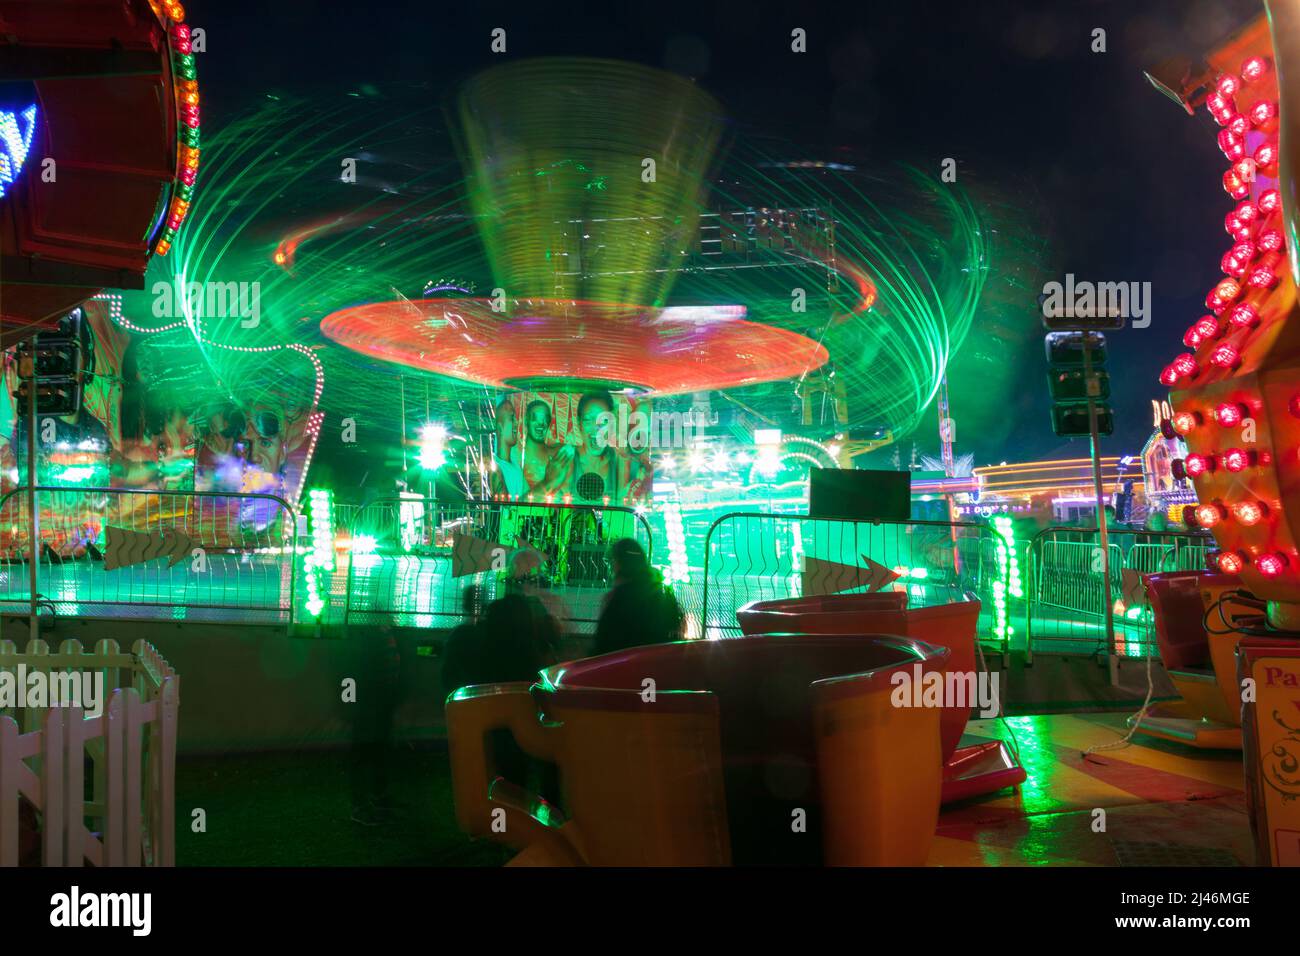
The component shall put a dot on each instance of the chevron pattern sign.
(124, 548)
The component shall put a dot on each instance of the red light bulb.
(1270, 201)
(1222, 296)
(1185, 365)
(1197, 465)
(1271, 565)
(1169, 376)
(1234, 459)
(1230, 414)
(1254, 68)
(1246, 211)
(1236, 260)
(1206, 328)
(1249, 512)
(1243, 315)
(1239, 229)
(1238, 124)
(1266, 156)
(1209, 514)
(1262, 278)
(1227, 84)
(1235, 185)
(1263, 114)
(1232, 145)
(1271, 240)
(1225, 356)
(1184, 422)
(1232, 562)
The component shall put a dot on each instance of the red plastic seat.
(884, 612)
(765, 697)
(1180, 618)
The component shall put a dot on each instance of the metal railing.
(1065, 608)
(757, 556)
(117, 552)
(411, 559)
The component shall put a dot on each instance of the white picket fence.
(129, 816)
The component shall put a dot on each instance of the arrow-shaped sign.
(830, 577)
(124, 547)
(470, 555)
(1133, 588)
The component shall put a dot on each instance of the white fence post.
(9, 759)
(134, 800)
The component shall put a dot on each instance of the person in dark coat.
(638, 610)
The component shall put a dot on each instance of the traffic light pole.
(34, 556)
(1112, 661)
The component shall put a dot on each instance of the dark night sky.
(1125, 182)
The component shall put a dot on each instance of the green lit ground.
(294, 809)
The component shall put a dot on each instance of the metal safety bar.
(118, 552)
(411, 560)
(760, 556)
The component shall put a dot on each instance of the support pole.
(1112, 659)
(35, 555)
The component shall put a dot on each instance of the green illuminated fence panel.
(1066, 610)
(758, 557)
(410, 560)
(147, 554)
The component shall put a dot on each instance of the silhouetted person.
(460, 653)
(638, 610)
(510, 643)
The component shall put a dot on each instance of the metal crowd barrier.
(1065, 611)
(412, 559)
(183, 555)
(755, 556)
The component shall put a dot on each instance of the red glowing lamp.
(1235, 459)
(1271, 240)
(1271, 565)
(1209, 514)
(1197, 464)
(1230, 414)
(1243, 315)
(1232, 562)
(1184, 422)
(1249, 512)
(1254, 68)
(1225, 356)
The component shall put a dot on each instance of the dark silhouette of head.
(628, 561)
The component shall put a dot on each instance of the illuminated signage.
(15, 140)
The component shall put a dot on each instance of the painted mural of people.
(545, 466)
(599, 472)
(222, 455)
(507, 477)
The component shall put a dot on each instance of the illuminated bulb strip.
(115, 314)
(185, 85)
